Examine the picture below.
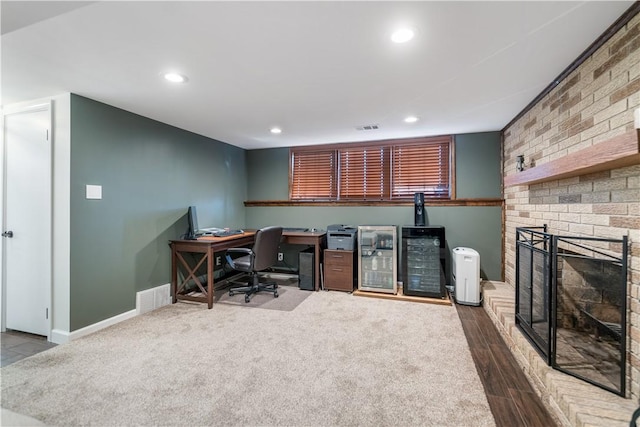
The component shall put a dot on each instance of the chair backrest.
(265, 247)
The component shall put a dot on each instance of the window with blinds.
(313, 175)
(364, 173)
(372, 171)
(421, 168)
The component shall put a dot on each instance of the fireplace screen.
(571, 303)
(590, 312)
(533, 277)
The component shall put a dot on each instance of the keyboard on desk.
(226, 233)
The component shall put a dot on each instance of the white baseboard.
(146, 301)
(61, 337)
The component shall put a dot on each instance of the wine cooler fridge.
(377, 258)
(423, 261)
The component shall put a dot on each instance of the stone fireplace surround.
(572, 402)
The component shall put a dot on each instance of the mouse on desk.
(312, 230)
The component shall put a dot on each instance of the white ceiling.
(317, 69)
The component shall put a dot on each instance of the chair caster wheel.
(275, 295)
(231, 293)
(275, 286)
(246, 298)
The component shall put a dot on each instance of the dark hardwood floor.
(511, 398)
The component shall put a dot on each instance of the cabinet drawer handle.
(336, 269)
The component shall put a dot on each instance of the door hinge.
(47, 134)
(47, 313)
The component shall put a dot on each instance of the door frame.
(9, 111)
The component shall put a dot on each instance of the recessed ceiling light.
(402, 35)
(411, 119)
(175, 77)
(276, 130)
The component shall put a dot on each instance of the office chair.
(261, 256)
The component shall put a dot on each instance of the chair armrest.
(244, 251)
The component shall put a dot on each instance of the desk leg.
(318, 252)
(174, 275)
(210, 284)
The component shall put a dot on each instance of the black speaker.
(418, 202)
(306, 270)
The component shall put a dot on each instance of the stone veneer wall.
(592, 104)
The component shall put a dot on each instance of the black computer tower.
(306, 270)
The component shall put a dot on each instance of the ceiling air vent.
(367, 127)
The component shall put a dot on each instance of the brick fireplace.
(576, 122)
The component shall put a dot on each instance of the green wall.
(477, 176)
(268, 174)
(478, 165)
(150, 173)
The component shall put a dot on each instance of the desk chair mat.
(290, 297)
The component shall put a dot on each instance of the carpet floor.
(335, 359)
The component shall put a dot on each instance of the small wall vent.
(367, 127)
(150, 299)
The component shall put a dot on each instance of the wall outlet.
(280, 256)
(218, 261)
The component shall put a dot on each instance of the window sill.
(456, 202)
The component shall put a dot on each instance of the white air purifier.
(466, 276)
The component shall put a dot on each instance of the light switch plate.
(94, 192)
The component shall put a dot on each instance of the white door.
(27, 220)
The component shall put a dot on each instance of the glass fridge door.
(423, 269)
(377, 258)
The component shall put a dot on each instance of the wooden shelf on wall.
(428, 203)
(617, 152)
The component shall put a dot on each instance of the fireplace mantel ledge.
(617, 152)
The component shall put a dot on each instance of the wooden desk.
(208, 246)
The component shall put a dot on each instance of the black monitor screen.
(192, 218)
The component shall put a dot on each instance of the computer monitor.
(192, 218)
